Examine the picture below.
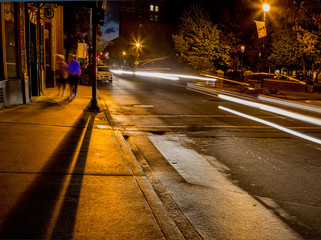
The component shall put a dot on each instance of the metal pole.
(263, 43)
(90, 45)
(94, 104)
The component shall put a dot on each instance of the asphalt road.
(231, 177)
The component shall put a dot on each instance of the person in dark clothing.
(74, 73)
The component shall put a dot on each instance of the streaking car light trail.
(272, 109)
(168, 76)
(312, 139)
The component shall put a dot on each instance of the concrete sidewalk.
(66, 173)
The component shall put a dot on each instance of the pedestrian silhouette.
(74, 73)
(61, 74)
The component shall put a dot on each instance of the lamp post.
(124, 55)
(242, 51)
(138, 46)
(266, 8)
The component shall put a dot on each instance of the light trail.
(304, 106)
(312, 139)
(279, 111)
(168, 76)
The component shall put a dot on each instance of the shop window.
(10, 39)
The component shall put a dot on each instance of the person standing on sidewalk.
(61, 74)
(74, 73)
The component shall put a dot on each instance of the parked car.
(104, 74)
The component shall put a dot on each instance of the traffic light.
(100, 16)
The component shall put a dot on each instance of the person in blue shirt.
(74, 73)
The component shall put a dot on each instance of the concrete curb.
(164, 221)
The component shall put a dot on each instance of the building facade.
(31, 34)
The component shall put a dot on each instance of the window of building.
(140, 25)
(151, 7)
(151, 17)
(156, 8)
(156, 17)
(10, 39)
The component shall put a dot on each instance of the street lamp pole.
(124, 60)
(93, 106)
(266, 8)
(138, 46)
(242, 50)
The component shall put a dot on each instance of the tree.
(198, 43)
(285, 50)
(76, 28)
(296, 43)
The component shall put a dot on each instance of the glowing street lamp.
(138, 47)
(266, 7)
(124, 55)
(242, 51)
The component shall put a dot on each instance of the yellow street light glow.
(266, 7)
(312, 139)
(137, 44)
(124, 53)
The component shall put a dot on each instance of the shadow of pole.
(65, 224)
(31, 215)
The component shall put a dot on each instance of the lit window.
(156, 8)
(152, 7)
(156, 17)
(140, 25)
(151, 17)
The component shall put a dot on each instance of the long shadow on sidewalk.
(65, 224)
(33, 212)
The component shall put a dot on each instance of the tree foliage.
(285, 50)
(296, 43)
(198, 43)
